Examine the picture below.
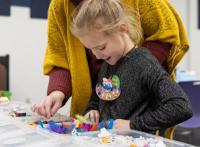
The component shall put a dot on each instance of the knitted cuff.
(135, 124)
(60, 79)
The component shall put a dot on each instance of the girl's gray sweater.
(149, 98)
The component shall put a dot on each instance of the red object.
(94, 127)
(105, 124)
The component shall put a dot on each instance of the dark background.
(38, 8)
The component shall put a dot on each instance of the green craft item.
(7, 94)
(115, 81)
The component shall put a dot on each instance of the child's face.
(110, 48)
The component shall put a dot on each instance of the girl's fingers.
(48, 106)
(33, 107)
(55, 108)
(41, 109)
(92, 116)
(96, 116)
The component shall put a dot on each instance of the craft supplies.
(20, 113)
(5, 96)
(32, 122)
(106, 138)
(56, 127)
(4, 99)
(15, 133)
(104, 133)
(75, 125)
(59, 118)
(75, 132)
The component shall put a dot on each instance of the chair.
(4, 72)
(192, 89)
(189, 131)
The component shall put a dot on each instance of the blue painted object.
(58, 128)
(40, 123)
(110, 124)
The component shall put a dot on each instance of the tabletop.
(14, 132)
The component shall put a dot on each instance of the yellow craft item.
(133, 145)
(105, 140)
(4, 99)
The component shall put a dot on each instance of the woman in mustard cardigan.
(73, 69)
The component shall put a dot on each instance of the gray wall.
(25, 40)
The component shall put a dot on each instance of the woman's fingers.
(48, 107)
(42, 110)
(33, 107)
(55, 108)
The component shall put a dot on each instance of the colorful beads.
(81, 124)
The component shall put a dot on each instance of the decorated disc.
(109, 89)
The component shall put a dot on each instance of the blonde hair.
(103, 16)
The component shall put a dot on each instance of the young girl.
(132, 86)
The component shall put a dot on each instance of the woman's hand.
(49, 105)
(122, 124)
(93, 116)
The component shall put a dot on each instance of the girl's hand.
(122, 124)
(49, 105)
(93, 116)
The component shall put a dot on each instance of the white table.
(16, 133)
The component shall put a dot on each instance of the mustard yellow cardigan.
(159, 21)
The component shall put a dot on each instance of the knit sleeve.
(171, 105)
(56, 47)
(60, 79)
(159, 50)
